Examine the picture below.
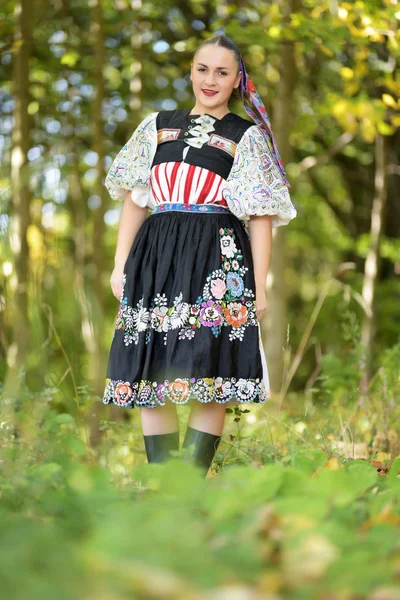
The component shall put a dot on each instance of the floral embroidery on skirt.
(187, 325)
(225, 302)
(179, 391)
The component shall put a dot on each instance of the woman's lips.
(209, 93)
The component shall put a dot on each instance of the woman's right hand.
(116, 281)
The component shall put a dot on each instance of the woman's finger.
(116, 290)
(260, 313)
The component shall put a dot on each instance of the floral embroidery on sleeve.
(131, 167)
(255, 185)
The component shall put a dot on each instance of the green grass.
(283, 514)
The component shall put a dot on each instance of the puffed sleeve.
(131, 167)
(255, 185)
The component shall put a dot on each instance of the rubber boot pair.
(205, 446)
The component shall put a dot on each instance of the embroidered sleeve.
(254, 185)
(131, 167)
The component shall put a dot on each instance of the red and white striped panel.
(188, 184)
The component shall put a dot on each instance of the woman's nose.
(210, 79)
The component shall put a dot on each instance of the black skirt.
(187, 327)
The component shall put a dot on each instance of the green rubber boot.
(206, 445)
(158, 446)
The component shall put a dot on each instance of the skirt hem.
(146, 394)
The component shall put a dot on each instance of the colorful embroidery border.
(147, 394)
(179, 206)
(217, 141)
(167, 135)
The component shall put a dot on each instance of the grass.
(287, 512)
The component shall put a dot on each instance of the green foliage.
(166, 532)
(286, 513)
(293, 512)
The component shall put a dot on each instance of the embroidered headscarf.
(254, 107)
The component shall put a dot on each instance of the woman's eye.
(221, 72)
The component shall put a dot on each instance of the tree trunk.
(97, 363)
(274, 324)
(78, 220)
(20, 204)
(98, 146)
(371, 269)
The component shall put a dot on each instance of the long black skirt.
(187, 327)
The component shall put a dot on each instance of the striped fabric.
(185, 183)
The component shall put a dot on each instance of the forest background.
(78, 77)
(308, 502)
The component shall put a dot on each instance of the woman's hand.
(116, 280)
(261, 302)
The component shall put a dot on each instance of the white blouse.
(254, 185)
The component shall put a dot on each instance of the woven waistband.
(196, 208)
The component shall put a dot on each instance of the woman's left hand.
(261, 302)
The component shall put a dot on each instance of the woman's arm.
(260, 229)
(132, 218)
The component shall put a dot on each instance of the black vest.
(216, 155)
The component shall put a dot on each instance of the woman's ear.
(239, 78)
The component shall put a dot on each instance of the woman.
(190, 277)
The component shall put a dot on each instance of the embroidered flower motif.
(227, 266)
(187, 333)
(245, 389)
(181, 313)
(235, 265)
(159, 318)
(218, 288)
(223, 388)
(160, 392)
(146, 395)
(234, 283)
(143, 318)
(178, 390)
(211, 314)
(228, 246)
(235, 314)
(123, 392)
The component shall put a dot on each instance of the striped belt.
(197, 208)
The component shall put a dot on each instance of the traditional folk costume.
(187, 324)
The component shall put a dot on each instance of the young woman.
(191, 277)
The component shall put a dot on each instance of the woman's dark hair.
(225, 42)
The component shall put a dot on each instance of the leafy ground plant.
(311, 527)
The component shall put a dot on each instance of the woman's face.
(214, 74)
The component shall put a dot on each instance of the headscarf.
(253, 100)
